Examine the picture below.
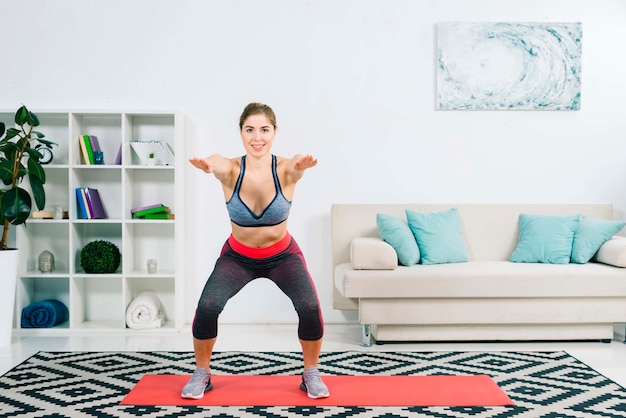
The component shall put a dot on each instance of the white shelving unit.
(98, 302)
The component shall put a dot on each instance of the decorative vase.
(8, 281)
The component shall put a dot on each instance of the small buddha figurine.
(46, 262)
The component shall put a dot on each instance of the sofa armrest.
(613, 252)
(369, 253)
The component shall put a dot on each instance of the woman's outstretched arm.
(298, 164)
(220, 167)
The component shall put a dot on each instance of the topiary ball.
(100, 257)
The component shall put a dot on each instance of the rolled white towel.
(144, 312)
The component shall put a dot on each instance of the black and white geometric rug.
(92, 384)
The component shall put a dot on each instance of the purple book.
(95, 203)
(118, 158)
(142, 208)
(95, 144)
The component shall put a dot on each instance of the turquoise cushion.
(396, 233)
(590, 235)
(439, 236)
(545, 239)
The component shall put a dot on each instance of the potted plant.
(18, 160)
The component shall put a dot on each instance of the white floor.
(608, 359)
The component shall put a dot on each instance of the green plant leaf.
(6, 171)
(9, 149)
(2, 129)
(39, 193)
(25, 116)
(37, 134)
(35, 169)
(22, 116)
(7, 174)
(11, 133)
(1, 211)
(46, 142)
(16, 205)
(33, 154)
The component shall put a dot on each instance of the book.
(137, 146)
(88, 209)
(154, 209)
(47, 214)
(118, 158)
(81, 212)
(140, 208)
(95, 203)
(140, 214)
(87, 203)
(162, 152)
(98, 156)
(169, 152)
(88, 148)
(43, 214)
(83, 150)
(95, 144)
(159, 151)
(160, 215)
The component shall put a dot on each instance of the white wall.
(351, 81)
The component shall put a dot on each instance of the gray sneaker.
(312, 384)
(199, 383)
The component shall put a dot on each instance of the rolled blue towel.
(44, 314)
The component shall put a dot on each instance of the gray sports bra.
(275, 213)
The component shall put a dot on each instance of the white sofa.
(486, 298)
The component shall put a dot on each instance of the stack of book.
(89, 204)
(88, 145)
(160, 150)
(47, 214)
(155, 211)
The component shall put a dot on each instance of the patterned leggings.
(233, 270)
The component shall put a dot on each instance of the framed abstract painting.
(508, 66)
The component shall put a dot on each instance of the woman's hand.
(302, 162)
(221, 167)
(298, 164)
(202, 164)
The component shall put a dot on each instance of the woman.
(258, 189)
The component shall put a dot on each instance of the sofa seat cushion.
(482, 279)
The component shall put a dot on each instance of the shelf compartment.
(55, 187)
(35, 289)
(108, 182)
(55, 127)
(91, 230)
(149, 186)
(147, 127)
(163, 288)
(45, 234)
(96, 302)
(106, 126)
(149, 240)
(57, 193)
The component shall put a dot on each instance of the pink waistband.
(262, 252)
